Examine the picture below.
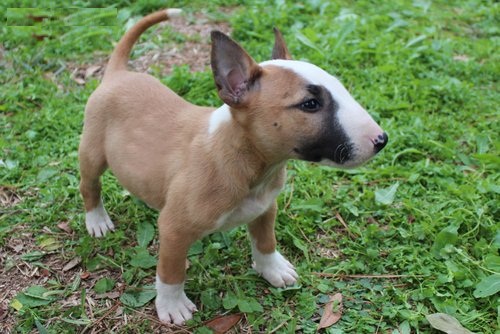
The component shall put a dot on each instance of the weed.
(413, 233)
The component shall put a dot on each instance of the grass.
(425, 210)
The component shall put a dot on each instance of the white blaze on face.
(357, 124)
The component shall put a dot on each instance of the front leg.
(172, 304)
(268, 262)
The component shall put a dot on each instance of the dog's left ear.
(234, 70)
(280, 51)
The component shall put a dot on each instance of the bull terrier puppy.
(207, 169)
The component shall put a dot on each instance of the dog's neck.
(235, 151)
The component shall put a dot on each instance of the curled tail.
(119, 57)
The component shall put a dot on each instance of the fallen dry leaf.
(222, 324)
(446, 323)
(93, 69)
(18, 248)
(65, 227)
(38, 18)
(79, 80)
(39, 37)
(71, 264)
(108, 295)
(461, 58)
(332, 311)
(8, 197)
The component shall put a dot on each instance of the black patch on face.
(331, 142)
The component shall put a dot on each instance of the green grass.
(426, 208)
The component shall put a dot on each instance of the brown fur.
(159, 148)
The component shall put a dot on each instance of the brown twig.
(289, 200)
(379, 322)
(105, 315)
(341, 220)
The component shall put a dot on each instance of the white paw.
(172, 305)
(275, 269)
(98, 221)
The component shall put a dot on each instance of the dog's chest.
(252, 206)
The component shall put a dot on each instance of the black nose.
(380, 142)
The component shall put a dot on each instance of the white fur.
(98, 221)
(255, 204)
(356, 122)
(174, 12)
(218, 117)
(172, 305)
(274, 268)
(249, 209)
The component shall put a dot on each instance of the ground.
(413, 233)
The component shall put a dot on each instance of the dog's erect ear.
(234, 70)
(280, 51)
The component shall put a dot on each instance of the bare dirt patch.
(193, 52)
(8, 197)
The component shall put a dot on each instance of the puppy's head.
(293, 109)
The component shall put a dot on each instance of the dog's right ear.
(234, 70)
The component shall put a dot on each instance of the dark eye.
(311, 105)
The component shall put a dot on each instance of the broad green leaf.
(249, 305)
(447, 236)
(95, 264)
(404, 328)
(299, 244)
(496, 240)
(492, 262)
(255, 305)
(137, 297)
(446, 323)
(32, 256)
(313, 204)
(487, 286)
(46, 174)
(9, 164)
(196, 248)
(49, 244)
(424, 4)
(145, 233)
(210, 299)
(37, 291)
(34, 296)
(142, 259)
(41, 328)
(244, 306)
(230, 301)
(104, 285)
(386, 196)
(204, 330)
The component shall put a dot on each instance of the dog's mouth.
(340, 154)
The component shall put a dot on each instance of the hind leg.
(92, 165)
